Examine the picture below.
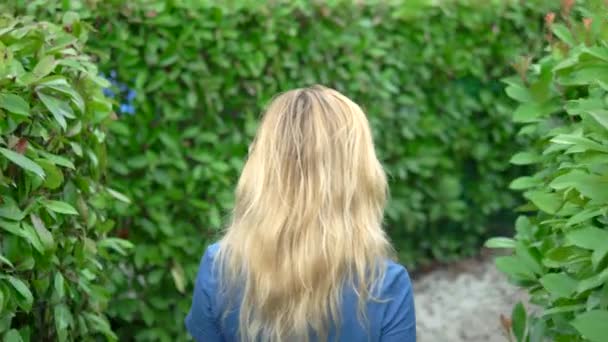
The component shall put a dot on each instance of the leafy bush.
(561, 247)
(201, 72)
(54, 242)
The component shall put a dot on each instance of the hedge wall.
(561, 246)
(55, 246)
(190, 78)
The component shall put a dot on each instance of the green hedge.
(201, 72)
(561, 245)
(54, 242)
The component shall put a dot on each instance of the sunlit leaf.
(500, 242)
(60, 207)
(14, 104)
(559, 284)
(25, 295)
(592, 325)
(177, 273)
(23, 161)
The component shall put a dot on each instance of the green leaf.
(11, 211)
(583, 105)
(563, 33)
(60, 84)
(525, 182)
(25, 295)
(593, 281)
(6, 320)
(524, 158)
(60, 43)
(584, 75)
(519, 93)
(518, 319)
(601, 116)
(523, 227)
(591, 186)
(8, 27)
(514, 267)
(583, 216)
(23, 162)
(541, 87)
(63, 319)
(177, 272)
(589, 238)
(532, 111)
(560, 285)
(571, 139)
(60, 109)
(527, 255)
(561, 256)
(59, 207)
(5, 261)
(100, 324)
(116, 244)
(604, 297)
(12, 336)
(29, 233)
(500, 242)
(592, 325)
(59, 286)
(45, 236)
(567, 180)
(54, 176)
(70, 17)
(45, 66)
(11, 227)
(597, 52)
(537, 330)
(14, 104)
(598, 255)
(57, 160)
(563, 308)
(545, 201)
(76, 148)
(119, 196)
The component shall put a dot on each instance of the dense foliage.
(191, 77)
(561, 246)
(54, 243)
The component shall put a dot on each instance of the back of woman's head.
(307, 218)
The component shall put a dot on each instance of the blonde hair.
(307, 218)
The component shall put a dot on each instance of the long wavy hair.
(307, 219)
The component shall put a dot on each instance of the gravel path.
(463, 302)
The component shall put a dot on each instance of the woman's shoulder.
(398, 313)
(206, 272)
(396, 279)
(212, 250)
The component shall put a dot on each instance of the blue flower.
(131, 95)
(120, 91)
(127, 109)
(108, 92)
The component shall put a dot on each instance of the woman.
(305, 257)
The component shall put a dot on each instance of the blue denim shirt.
(392, 320)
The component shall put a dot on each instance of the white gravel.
(463, 302)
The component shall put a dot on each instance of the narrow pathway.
(463, 302)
